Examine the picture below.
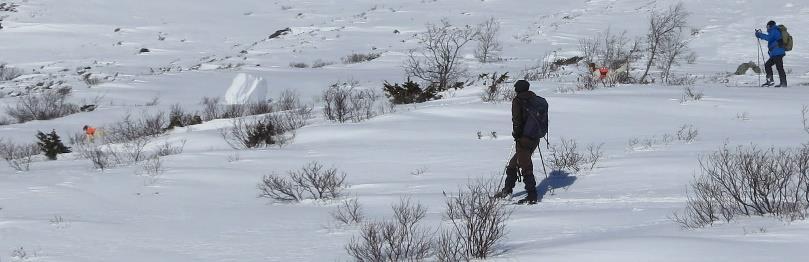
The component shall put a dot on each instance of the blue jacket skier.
(777, 53)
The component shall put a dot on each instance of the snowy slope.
(204, 208)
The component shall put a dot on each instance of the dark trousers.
(778, 61)
(521, 163)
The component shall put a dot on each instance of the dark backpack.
(786, 38)
(536, 117)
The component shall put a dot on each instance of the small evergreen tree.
(410, 92)
(51, 144)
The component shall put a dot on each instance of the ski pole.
(541, 158)
(503, 176)
(758, 61)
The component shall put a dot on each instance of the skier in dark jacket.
(528, 129)
(777, 53)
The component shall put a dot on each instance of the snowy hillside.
(202, 205)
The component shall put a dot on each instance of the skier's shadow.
(556, 179)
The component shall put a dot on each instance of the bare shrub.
(649, 143)
(179, 118)
(494, 91)
(9, 73)
(280, 189)
(167, 148)
(312, 181)
(566, 156)
(210, 108)
(477, 219)
(349, 212)
(664, 27)
(343, 102)
(689, 94)
(687, 133)
(544, 69)
(594, 154)
(298, 65)
(673, 50)
(102, 156)
(489, 46)
(320, 64)
(272, 129)
(19, 254)
(48, 105)
(438, 63)
(18, 157)
(289, 99)
(131, 128)
(397, 239)
(152, 169)
(682, 80)
(360, 58)
(610, 50)
(450, 247)
(749, 181)
(131, 136)
(701, 207)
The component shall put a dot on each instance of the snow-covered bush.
(132, 135)
(9, 73)
(360, 58)
(289, 99)
(544, 69)
(312, 181)
(748, 181)
(18, 157)
(687, 133)
(349, 212)
(489, 46)
(399, 239)
(566, 156)
(298, 65)
(438, 62)
(48, 105)
(689, 94)
(320, 63)
(494, 90)
(268, 130)
(168, 148)
(410, 92)
(343, 102)
(477, 222)
(179, 118)
(152, 169)
(130, 128)
(212, 109)
(102, 156)
(19, 254)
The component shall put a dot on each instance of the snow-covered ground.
(204, 207)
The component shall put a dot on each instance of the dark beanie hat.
(771, 23)
(521, 86)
